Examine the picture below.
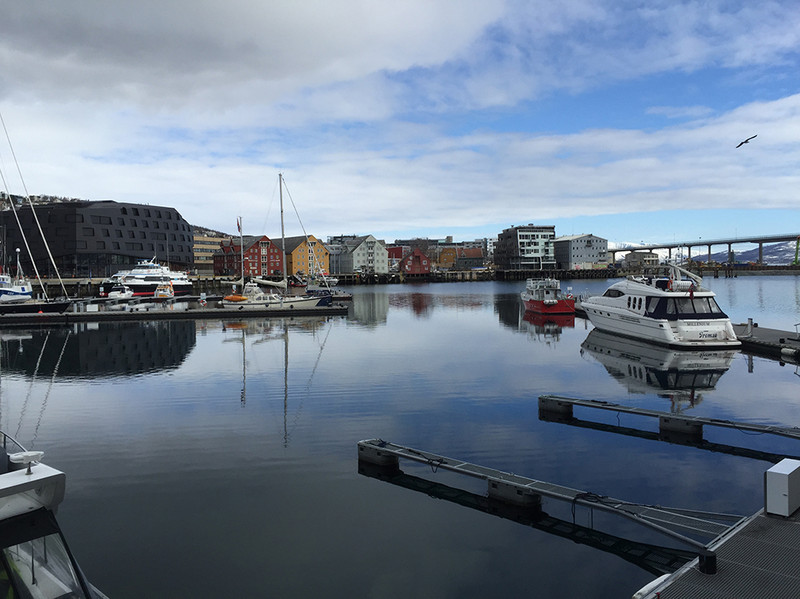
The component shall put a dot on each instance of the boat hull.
(9, 296)
(561, 306)
(287, 303)
(681, 333)
(32, 307)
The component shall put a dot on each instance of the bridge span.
(760, 240)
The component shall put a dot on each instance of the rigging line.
(297, 214)
(35, 218)
(30, 387)
(270, 205)
(49, 388)
(319, 355)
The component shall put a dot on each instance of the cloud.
(391, 117)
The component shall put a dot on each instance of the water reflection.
(277, 330)
(369, 308)
(641, 367)
(97, 349)
(546, 328)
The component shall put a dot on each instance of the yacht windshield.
(39, 568)
(683, 307)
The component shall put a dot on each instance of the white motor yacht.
(666, 305)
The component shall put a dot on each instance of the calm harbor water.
(218, 458)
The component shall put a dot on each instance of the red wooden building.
(262, 258)
(415, 263)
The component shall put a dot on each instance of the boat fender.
(669, 284)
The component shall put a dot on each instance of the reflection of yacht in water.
(34, 558)
(646, 368)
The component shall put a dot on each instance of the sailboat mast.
(283, 235)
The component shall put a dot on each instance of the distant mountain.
(776, 254)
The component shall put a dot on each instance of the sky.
(421, 118)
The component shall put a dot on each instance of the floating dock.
(522, 491)
(772, 343)
(757, 559)
(754, 557)
(160, 311)
(680, 424)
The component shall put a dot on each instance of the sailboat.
(253, 297)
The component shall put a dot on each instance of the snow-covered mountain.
(774, 254)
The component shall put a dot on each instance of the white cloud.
(368, 108)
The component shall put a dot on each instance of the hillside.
(775, 254)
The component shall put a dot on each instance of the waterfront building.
(357, 253)
(415, 263)
(637, 259)
(527, 247)
(262, 257)
(447, 257)
(305, 255)
(573, 252)
(205, 246)
(468, 258)
(396, 253)
(96, 238)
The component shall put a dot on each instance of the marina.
(238, 430)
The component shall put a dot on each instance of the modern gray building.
(527, 247)
(95, 238)
(575, 252)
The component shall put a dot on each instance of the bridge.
(760, 240)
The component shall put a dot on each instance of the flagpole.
(241, 247)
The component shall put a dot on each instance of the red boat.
(544, 296)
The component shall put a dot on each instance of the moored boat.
(252, 297)
(164, 291)
(145, 277)
(666, 305)
(545, 297)
(120, 292)
(14, 290)
(35, 560)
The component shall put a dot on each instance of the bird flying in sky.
(746, 141)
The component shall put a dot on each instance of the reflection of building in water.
(103, 350)
(545, 327)
(641, 367)
(509, 309)
(369, 308)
